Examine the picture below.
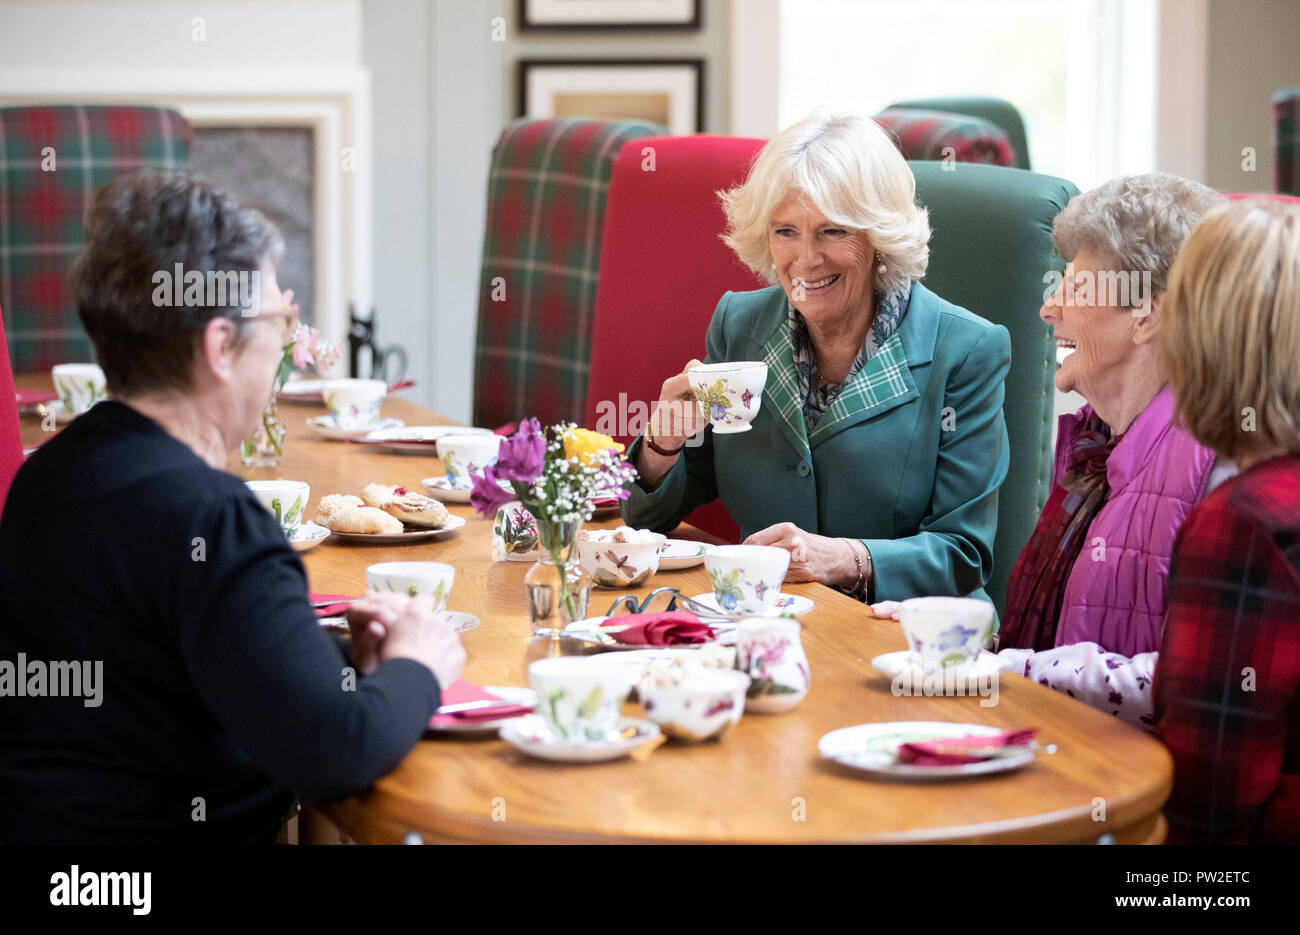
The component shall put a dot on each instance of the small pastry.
(408, 506)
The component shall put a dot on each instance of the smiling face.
(824, 269)
(1103, 340)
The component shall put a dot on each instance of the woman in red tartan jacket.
(1227, 686)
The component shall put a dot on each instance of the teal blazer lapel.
(885, 381)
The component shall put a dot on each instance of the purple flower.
(523, 454)
(1115, 698)
(487, 495)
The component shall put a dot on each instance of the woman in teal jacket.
(879, 446)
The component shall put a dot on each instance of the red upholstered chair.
(11, 446)
(55, 159)
(662, 271)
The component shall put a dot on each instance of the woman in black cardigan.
(211, 697)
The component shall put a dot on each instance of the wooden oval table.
(764, 781)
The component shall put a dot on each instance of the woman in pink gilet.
(1086, 599)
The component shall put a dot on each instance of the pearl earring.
(881, 268)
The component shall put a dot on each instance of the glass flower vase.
(555, 598)
(265, 447)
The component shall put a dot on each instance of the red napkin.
(32, 397)
(508, 429)
(954, 751)
(671, 628)
(459, 692)
(601, 502)
(340, 605)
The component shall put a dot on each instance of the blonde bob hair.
(1230, 331)
(852, 173)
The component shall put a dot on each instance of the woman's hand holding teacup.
(676, 418)
(812, 557)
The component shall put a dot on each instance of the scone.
(343, 513)
(408, 506)
(333, 503)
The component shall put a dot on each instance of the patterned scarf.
(890, 309)
(1037, 584)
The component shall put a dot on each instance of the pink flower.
(304, 348)
(486, 495)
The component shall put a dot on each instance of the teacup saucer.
(785, 604)
(325, 426)
(308, 536)
(680, 553)
(441, 489)
(962, 679)
(530, 735)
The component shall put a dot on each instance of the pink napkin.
(32, 397)
(459, 692)
(600, 503)
(671, 628)
(508, 429)
(954, 751)
(340, 605)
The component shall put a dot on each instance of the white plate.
(62, 416)
(324, 426)
(873, 748)
(302, 391)
(394, 538)
(416, 439)
(308, 536)
(963, 679)
(680, 553)
(531, 735)
(440, 489)
(460, 622)
(785, 604)
(589, 632)
(524, 696)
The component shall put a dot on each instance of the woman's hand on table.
(427, 636)
(816, 558)
(368, 620)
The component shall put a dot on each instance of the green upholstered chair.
(991, 247)
(993, 109)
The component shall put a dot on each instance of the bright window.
(1081, 73)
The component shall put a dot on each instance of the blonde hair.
(853, 174)
(1230, 335)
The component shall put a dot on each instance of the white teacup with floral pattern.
(946, 631)
(79, 386)
(412, 578)
(466, 455)
(700, 705)
(354, 404)
(746, 578)
(581, 697)
(514, 534)
(729, 393)
(769, 651)
(620, 564)
(286, 500)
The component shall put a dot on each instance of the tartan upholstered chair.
(993, 109)
(932, 134)
(541, 253)
(1286, 141)
(663, 270)
(54, 159)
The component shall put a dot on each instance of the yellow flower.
(586, 445)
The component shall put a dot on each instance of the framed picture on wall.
(609, 14)
(664, 91)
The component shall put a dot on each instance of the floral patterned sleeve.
(1119, 685)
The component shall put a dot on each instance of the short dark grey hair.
(1134, 223)
(145, 224)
